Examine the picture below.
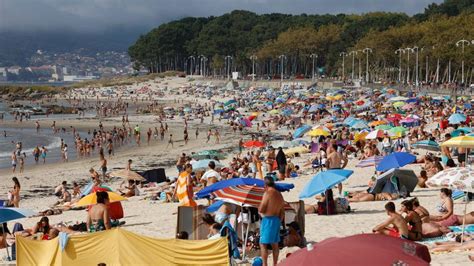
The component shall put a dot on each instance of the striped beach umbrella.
(460, 142)
(242, 195)
(371, 161)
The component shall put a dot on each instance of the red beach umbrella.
(362, 249)
(253, 144)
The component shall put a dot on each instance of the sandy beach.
(159, 219)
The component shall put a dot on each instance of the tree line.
(295, 45)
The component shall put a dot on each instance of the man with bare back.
(272, 211)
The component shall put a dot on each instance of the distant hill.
(17, 47)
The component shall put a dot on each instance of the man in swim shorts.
(399, 225)
(272, 216)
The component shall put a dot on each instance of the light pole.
(416, 49)
(314, 57)
(343, 54)
(462, 43)
(282, 58)
(366, 51)
(192, 60)
(253, 58)
(408, 50)
(360, 66)
(353, 53)
(205, 59)
(228, 62)
(400, 51)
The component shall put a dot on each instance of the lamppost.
(343, 54)
(202, 60)
(408, 50)
(353, 53)
(282, 58)
(228, 62)
(205, 59)
(462, 43)
(400, 51)
(416, 49)
(366, 51)
(314, 57)
(253, 58)
(360, 66)
(192, 61)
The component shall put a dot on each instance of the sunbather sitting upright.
(399, 225)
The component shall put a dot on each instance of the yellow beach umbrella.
(254, 114)
(318, 132)
(398, 104)
(91, 199)
(293, 151)
(360, 136)
(330, 98)
(377, 123)
(460, 142)
(338, 97)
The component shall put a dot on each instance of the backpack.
(342, 205)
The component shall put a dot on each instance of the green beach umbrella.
(384, 127)
(398, 130)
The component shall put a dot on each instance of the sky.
(99, 15)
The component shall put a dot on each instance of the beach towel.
(457, 194)
(185, 198)
(468, 229)
(63, 239)
(227, 230)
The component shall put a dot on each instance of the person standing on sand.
(272, 215)
(184, 187)
(37, 125)
(170, 141)
(197, 133)
(186, 135)
(336, 160)
(65, 155)
(148, 136)
(22, 162)
(137, 134)
(209, 134)
(217, 136)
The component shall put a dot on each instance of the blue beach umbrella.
(457, 118)
(360, 125)
(395, 160)
(9, 214)
(301, 130)
(323, 181)
(457, 132)
(240, 181)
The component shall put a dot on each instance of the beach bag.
(342, 205)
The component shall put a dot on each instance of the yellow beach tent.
(121, 247)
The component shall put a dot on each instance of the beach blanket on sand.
(468, 229)
(432, 240)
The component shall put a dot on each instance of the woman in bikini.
(98, 215)
(445, 209)
(422, 211)
(413, 220)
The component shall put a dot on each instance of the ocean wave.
(53, 144)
